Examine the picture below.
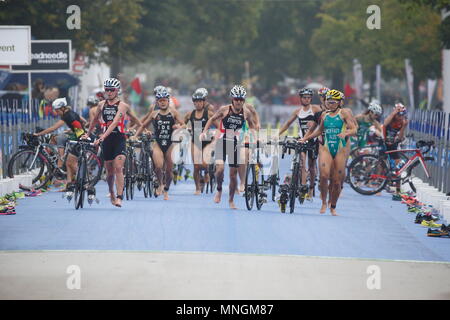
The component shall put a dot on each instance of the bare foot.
(118, 202)
(242, 188)
(323, 208)
(166, 195)
(160, 190)
(112, 198)
(333, 212)
(197, 192)
(218, 197)
(232, 205)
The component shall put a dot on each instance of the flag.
(136, 91)
(410, 81)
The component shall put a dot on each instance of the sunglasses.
(238, 99)
(332, 102)
(306, 97)
(195, 100)
(110, 89)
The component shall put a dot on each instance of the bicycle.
(130, 167)
(256, 182)
(146, 174)
(294, 189)
(82, 182)
(369, 173)
(40, 158)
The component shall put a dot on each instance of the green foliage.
(344, 35)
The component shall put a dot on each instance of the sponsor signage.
(15, 48)
(48, 56)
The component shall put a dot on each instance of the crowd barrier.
(432, 125)
(16, 117)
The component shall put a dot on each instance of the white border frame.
(48, 70)
(29, 44)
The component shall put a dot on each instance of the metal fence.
(16, 117)
(433, 125)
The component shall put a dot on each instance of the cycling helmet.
(335, 95)
(162, 93)
(323, 91)
(375, 108)
(59, 103)
(200, 94)
(92, 101)
(403, 109)
(305, 92)
(157, 88)
(111, 83)
(238, 92)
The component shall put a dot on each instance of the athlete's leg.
(195, 158)
(325, 162)
(337, 177)
(119, 162)
(234, 172)
(244, 155)
(72, 166)
(110, 179)
(168, 161)
(158, 161)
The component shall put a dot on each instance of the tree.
(104, 24)
(343, 36)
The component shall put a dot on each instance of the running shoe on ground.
(437, 233)
(430, 224)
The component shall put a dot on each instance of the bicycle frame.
(418, 156)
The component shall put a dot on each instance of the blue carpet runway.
(373, 227)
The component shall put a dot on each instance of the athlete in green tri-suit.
(366, 120)
(337, 125)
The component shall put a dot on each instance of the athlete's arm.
(401, 133)
(217, 117)
(57, 125)
(255, 116)
(390, 117)
(350, 122)
(289, 122)
(313, 134)
(96, 118)
(145, 124)
(137, 123)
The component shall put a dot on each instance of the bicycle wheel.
(273, 184)
(24, 162)
(368, 174)
(80, 183)
(250, 186)
(94, 165)
(260, 196)
(293, 187)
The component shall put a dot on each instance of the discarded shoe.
(437, 233)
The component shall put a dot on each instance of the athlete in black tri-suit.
(232, 119)
(164, 121)
(111, 115)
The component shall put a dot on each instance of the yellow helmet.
(335, 95)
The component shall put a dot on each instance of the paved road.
(214, 253)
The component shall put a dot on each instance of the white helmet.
(162, 93)
(59, 103)
(200, 94)
(157, 88)
(238, 92)
(375, 108)
(111, 83)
